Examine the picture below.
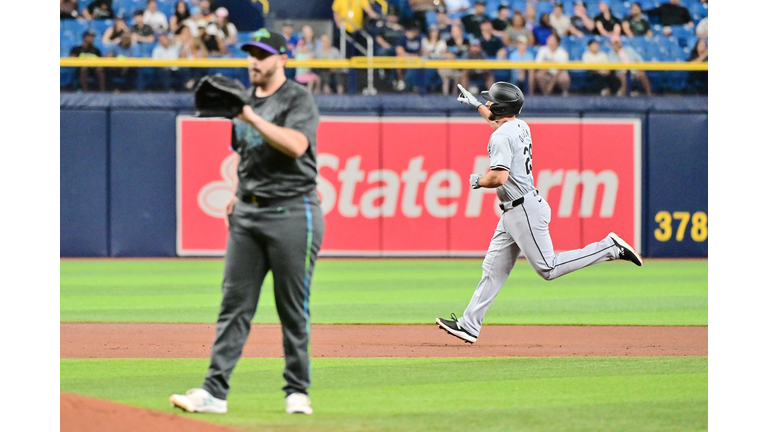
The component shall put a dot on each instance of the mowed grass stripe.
(457, 394)
(662, 292)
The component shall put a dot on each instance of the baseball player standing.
(524, 223)
(275, 224)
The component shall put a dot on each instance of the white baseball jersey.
(510, 148)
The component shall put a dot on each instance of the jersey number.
(528, 162)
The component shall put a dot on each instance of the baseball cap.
(195, 10)
(202, 23)
(474, 41)
(521, 39)
(480, 2)
(89, 32)
(212, 30)
(222, 12)
(270, 41)
(557, 3)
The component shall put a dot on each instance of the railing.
(370, 90)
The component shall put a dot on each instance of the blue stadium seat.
(692, 42)
(491, 8)
(544, 6)
(243, 37)
(166, 7)
(676, 81)
(619, 8)
(431, 17)
(698, 11)
(145, 48)
(518, 5)
(76, 27)
(100, 26)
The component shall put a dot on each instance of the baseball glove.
(219, 96)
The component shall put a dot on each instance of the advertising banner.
(398, 186)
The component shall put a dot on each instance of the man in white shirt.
(559, 21)
(165, 51)
(154, 18)
(546, 79)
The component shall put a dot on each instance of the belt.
(509, 205)
(257, 201)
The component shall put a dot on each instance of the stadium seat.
(431, 17)
(100, 26)
(166, 7)
(619, 8)
(76, 27)
(243, 37)
(491, 8)
(145, 49)
(518, 5)
(698, 11)
(544, 6)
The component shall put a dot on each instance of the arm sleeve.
(304, 116)
(500, 152)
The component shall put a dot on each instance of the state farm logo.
(443, 189)
(213, 197)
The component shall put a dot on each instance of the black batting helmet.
(507, 99)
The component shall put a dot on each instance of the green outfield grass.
(427, 394)
(662, 292)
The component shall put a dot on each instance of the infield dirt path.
(108, 340)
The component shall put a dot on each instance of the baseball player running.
(525, 215)
(275, 224)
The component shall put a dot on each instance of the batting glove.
(474, 181)
(467, 98)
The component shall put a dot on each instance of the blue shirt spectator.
(542, 31)
(521, 53)
(409, 44)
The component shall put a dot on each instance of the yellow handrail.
(380, 63)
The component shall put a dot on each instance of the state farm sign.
(398, 186)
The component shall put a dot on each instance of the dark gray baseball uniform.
(277, 225)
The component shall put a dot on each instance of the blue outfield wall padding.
(126, 207)
(143, 183)
(677, 182)
(83, 175)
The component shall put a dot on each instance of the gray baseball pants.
(283, 236)
(526, 228)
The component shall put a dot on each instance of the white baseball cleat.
(298, 403)
(199, 400)
(625, 250)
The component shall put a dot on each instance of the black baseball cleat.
(625, 250)
(453, 328)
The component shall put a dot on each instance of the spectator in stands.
(634, 24)
(409, 45)
(206, 10)
(154, 18)
(213, 43)
(195, 16)
(387, 34)
(476, 52)
(99, 9)
(472, 21)
(492, 46)
(542, 31)
(702, 28)
(86, 49)
(69, 9)
(180, 14)
(455, 8)
(559, 21)
(530, 14)
(602, 81)
(290, 36)
(308, 38)
(305, 75)
(671, 14)
(227, 30)
(581, 23)
(331, 80)
(420, 8)
(141, 31)
(501, 22)
(122, 78)
(547, 79)
(622, 54)
(165, 50)
(698, 80)
(517, 29)
(114, 34)
(434, 48)
(521, 53)
(606, 24)
(193, 48)
(443, 24)
(350, 16)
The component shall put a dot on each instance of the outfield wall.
(119, 167)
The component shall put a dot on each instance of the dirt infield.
(104, 340)
(85, 414)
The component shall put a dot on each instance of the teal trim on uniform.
(307, 263)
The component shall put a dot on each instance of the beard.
(262, 77)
